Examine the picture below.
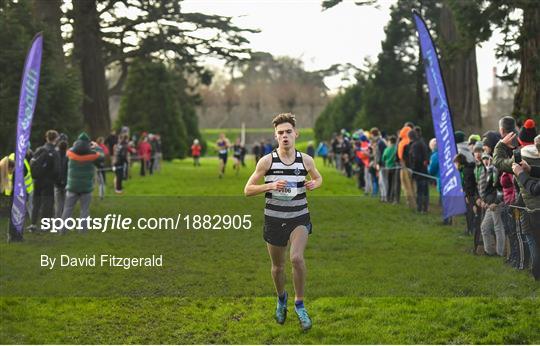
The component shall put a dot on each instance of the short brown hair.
(284, 118)
(51, 135)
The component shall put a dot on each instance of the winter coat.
(509, 190)
(82, 159)
(403, 141)
(503, 161)
(463, 148)
(433, 168)
(144, 150)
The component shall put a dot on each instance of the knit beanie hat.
(459, 136)
(478, 147)
(527, 133)
(84, 137)
(490, 139)
(474, 138)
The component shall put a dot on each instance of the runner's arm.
(252, 188)
(316, 177)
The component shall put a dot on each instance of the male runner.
(286, 216)
(223, 145)
(237, 155)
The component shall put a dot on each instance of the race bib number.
(287, 193)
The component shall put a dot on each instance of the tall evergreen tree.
(150, 104)
(59, 93)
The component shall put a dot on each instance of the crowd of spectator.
(58, 175)
(500, 174)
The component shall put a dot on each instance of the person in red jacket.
(144, 150)
(196, 152)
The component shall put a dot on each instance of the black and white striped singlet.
(289, 203)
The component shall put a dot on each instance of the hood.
(403, 134)
(530, 151)
(83, 137)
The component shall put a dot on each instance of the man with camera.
(519, 150)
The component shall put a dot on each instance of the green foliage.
(340, 113)
(393, 89)
(150, 103)
(59, 91)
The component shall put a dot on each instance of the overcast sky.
(344, 34)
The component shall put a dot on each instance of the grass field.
(377, 273)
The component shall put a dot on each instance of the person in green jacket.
(82, 158)
(392, 176)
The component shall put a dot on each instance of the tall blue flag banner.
(27, 104)
(453, 198)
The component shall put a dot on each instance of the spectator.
(111, 141)
(7, 181)
(379, 144)
(419, 158)
(144, 150)
(507, 151)
(492, 226)
(153, 156)
(101, 165)
(310, 150)
(462, 146)
(61, 181)
(80, 182)
(322, 151)
(120, 162)
(256, 150)
(389, 164)
(45, 169)
(196, 152)
(158, 155)
(473, 139)
(405, 175)
(468, 182)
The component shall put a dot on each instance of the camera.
(517, 155)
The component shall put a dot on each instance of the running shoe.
(303, 317)
(281, 310)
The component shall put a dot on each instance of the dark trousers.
(143, 164)
(119, 171)
(361, 177)
(43, 201)
(397, 185)
(510, 229)
(530, 225)
(101, 170)
(150, 165)
(422, 194)
(469, 215)
(391, 185)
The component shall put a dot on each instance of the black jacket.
(418, 156)
(531, 185)
(469, 181)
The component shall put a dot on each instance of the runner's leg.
(298, 241)
(277, 256)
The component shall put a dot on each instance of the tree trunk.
(88, 52)
(527, 98)
(48, 13)
(460, 75)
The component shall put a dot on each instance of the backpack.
(42, 164)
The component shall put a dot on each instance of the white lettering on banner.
(31, 84)
(16, 213)
(452, 183)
